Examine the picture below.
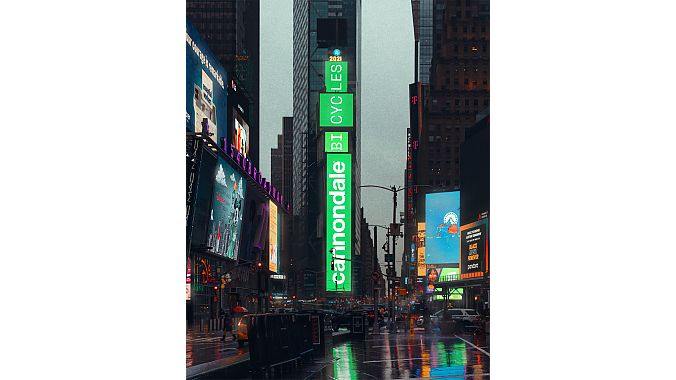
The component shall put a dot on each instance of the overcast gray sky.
(387, 69)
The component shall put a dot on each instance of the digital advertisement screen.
(336, 142)
(240, 134)
(226, 210)
(206, 96)
(441, 274)
(474, 249)
(335, 110)
(273, 239)
(421, 249)
(335, 76)
(338, 222)
(442, 220)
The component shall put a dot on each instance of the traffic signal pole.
(393, 319)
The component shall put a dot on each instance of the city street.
(381, 356)
(390, 356)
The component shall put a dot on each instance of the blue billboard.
(442, 218)
(227, 206)
(206, 95)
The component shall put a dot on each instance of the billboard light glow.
(335, 76)
(336, 142)
(339, 222)
(336, 110)
(442, 219)
(273, 239)
(226, 210)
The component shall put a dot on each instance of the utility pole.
(373, 280)
(393, 273)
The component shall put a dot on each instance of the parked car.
(466, 316)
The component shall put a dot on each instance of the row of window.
(435, 138)
(466, 29)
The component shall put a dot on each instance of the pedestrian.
(227, 329)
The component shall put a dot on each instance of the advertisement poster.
(443, 274)
(226, 211)
(273, 240)
(442, 220)
(206, 96)
(421, 249)
(241, 134)
(474, 249)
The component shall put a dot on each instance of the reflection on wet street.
(207, 347)
(406, 356)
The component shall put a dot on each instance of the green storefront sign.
(335, 76)
(335, 142)
(335, 110)
(339, 222)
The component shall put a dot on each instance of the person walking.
(227, 328)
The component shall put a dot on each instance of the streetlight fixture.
(391, 264)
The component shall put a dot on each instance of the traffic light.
(259, 265)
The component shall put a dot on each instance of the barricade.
(359, 325)
(277, 339)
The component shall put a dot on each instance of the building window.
(466, 102)
(457, 101)
(476, 102)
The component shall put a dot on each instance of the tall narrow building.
(321, 28)
(452, 88)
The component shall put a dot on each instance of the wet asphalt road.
(402, 355)
(386, 356)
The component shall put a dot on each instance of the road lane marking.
(478, 348)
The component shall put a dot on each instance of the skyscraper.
(320, 27)
(452, 68)
(458, 90)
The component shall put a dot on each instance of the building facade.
(231, 28)
(452, 87)
(320, 27)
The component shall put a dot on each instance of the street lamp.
(390, 264)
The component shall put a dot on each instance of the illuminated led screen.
(442, 221)
(273, 239)
(339, 222)
(206, 97)
(226, 210)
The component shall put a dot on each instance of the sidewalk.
(205, 352)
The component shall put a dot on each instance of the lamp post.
(394, 190)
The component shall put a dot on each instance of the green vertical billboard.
(335, 76)
(336, 142)
(335, 110)
(338, 222)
